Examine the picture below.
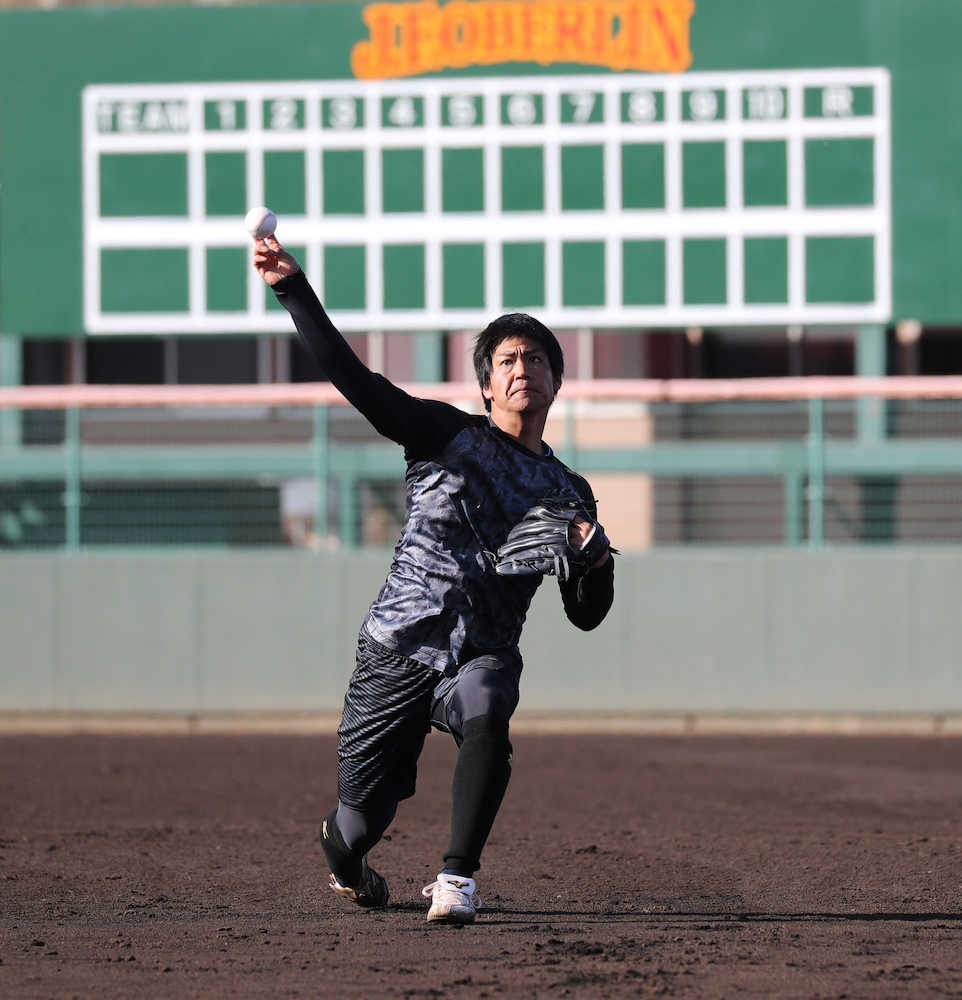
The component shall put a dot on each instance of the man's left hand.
(579, 530)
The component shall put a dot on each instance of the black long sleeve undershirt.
(421, 426)
(588, 599)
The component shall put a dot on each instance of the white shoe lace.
(453, 890)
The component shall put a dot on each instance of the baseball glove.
(539, 543)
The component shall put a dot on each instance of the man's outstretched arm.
(356, 382)
(418, 424)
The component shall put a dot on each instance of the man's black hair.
(514, 325)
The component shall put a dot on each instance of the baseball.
(260, 222)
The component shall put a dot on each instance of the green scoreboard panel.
(752, 197)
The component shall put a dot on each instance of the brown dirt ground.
(621, 865)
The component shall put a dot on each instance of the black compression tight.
(361, 831)
(480, 781)
(348, 834)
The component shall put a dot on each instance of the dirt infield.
(701, 866)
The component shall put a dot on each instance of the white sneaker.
(454, 899)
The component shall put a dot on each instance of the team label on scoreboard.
(608, 201)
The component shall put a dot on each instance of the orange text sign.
(425, 36)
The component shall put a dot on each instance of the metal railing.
(798, 461)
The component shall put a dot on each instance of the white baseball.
(260, 221)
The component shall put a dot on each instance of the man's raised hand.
(272, 262)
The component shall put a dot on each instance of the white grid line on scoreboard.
(493, 227)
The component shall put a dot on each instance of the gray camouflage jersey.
(468, 483)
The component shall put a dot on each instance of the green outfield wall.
(723, 630)
(625, 163)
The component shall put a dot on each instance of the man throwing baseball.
(490, 511)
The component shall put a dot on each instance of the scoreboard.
(609, 200)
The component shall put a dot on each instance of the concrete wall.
(692, 630)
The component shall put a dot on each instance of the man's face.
(521, 377)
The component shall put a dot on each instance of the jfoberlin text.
(410, 38)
